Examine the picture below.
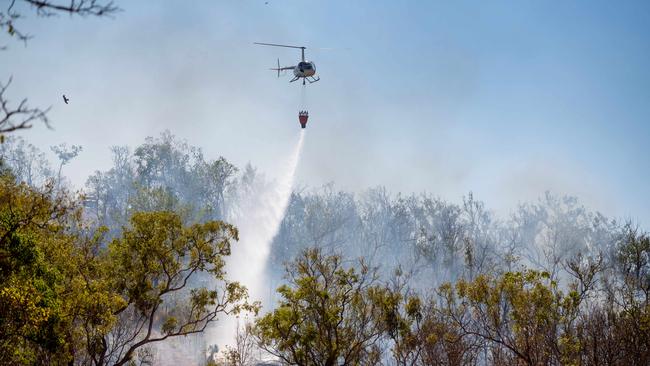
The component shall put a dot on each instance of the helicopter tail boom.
(279, 68)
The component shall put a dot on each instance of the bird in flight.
(65, 99)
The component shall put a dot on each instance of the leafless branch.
(8, 22)
(79, 7)
(47, 8)
(20, 117)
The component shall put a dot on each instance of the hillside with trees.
(369, 278)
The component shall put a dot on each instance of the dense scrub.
(331, 313)
(439, 283)
(71, 295)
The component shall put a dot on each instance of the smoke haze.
(505, 95)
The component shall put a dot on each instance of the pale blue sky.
(503, 98)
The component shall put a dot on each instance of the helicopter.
(305, 70)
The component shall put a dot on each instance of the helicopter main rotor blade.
(279, 45)
(331, 49)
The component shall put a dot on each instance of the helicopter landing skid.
(310, 79)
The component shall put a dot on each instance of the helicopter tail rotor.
(280, 68)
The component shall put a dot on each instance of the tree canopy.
(326, 315)
(69, 295)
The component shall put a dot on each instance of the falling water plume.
(258, 219)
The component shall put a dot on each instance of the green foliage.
(34, 253)
(67, 296)
(97, 295)
(326, 316)
(524, 312)
(599, 316)
(155, 258)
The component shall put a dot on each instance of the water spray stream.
(258, 224)
(258, 221)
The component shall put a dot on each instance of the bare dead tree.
(20, 117)
(241, 354)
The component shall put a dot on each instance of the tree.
(19, 117)
(419, 332)
(326, 316)
(22, 116)
(151, 266)
(523, 316)
(614, 327)
(160, 165)
(241, 354)
(38, 274)
(65, 154)
(67, 296)
(27, 163)
(628, 291)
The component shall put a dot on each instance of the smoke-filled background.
(445, 140)
(506, 99)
